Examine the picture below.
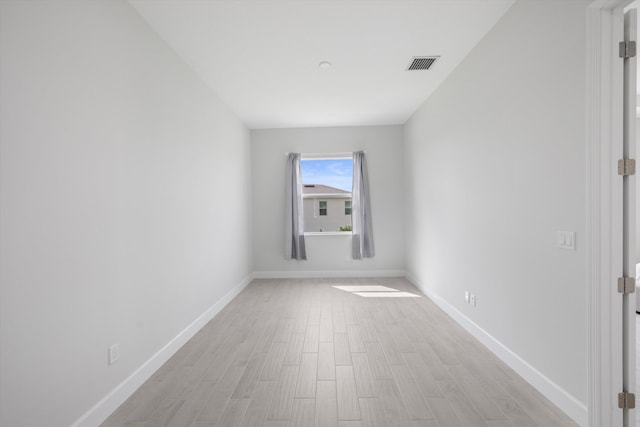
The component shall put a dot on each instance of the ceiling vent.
(422, 62)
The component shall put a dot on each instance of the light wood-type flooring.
(302, 353)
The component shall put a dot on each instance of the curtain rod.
(313, 155)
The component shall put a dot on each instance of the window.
(326, 193)
(322, 208)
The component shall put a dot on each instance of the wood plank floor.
(302, 353)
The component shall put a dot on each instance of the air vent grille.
(421, 62)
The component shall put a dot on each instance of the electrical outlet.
(473, 300)
(114, 353)
(466, 296)
(566, 240)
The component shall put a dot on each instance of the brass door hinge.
(626, 167)
(626, 400)
(626, 285)
(627, 49)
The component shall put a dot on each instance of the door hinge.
(626, 400)
(626, 167)
(626, 285)
(627, 49)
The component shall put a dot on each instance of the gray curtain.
(294, 247)
(362, 227)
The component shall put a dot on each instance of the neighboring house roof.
(321, 189)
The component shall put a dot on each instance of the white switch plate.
(114, 353)
(567, 240)
(466, 297)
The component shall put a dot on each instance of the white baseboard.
(105, 407)
(108, 404)
(552, 391)
(291, 274)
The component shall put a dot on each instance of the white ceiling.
(261, 57)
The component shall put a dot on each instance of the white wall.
(329, 254)
(495, 165)
(124, 213)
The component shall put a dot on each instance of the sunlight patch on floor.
(376, 291)
(365, 288)
(397, 294)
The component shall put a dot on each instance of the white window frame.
(326, 156)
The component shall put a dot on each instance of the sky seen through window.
(336, 173)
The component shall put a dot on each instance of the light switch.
(567, 240)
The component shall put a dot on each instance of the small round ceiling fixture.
(325, 65)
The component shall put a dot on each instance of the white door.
(629, 218)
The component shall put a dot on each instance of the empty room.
(313, 213)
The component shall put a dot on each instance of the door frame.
(604, 234)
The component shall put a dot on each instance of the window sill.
(328, 233)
